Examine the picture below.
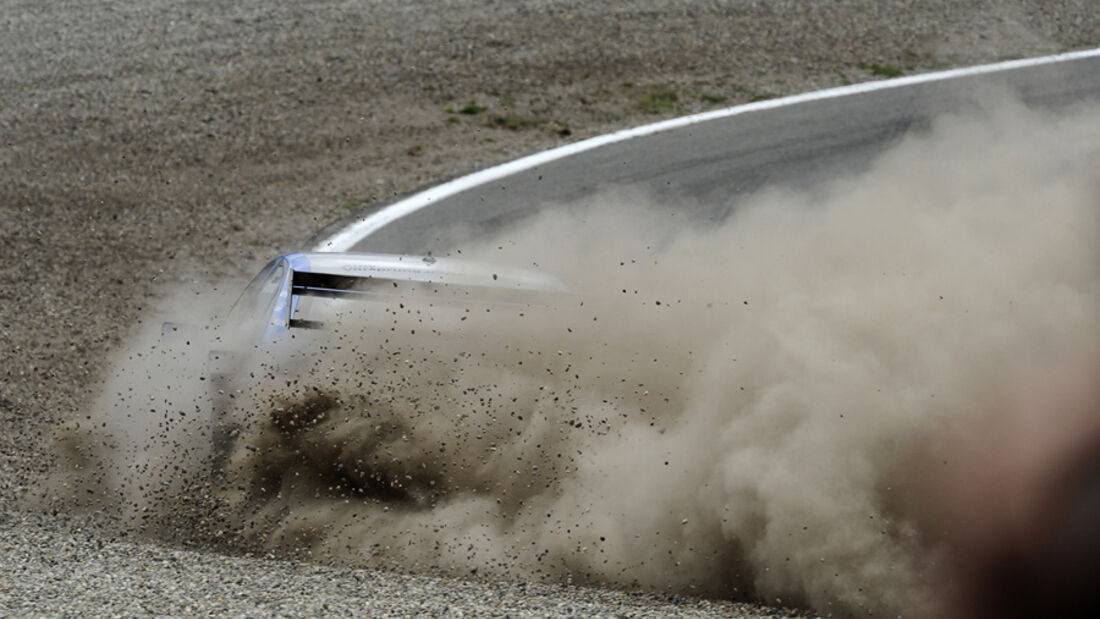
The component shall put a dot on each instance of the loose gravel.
(77, 573)
(149, 144)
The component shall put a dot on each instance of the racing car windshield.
(256, 301)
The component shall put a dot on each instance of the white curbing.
(352, 234)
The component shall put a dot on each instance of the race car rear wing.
(442, 281)
(351, 271)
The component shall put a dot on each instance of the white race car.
(301, 291)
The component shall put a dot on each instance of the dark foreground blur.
(1022, 510)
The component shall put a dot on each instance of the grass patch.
(506, 99)
(713, 99)
(884, 70)
(752, 94)
(415, 151)
(658, 99)
(472, 109)
(514, 123)
(351, 205)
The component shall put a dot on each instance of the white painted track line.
(355, 232)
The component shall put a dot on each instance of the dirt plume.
(747, 409)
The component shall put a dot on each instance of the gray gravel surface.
(76, 572)
(147, 144)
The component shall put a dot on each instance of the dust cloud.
(753, 409)
(146, 441)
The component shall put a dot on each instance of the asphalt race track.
(707, 166)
